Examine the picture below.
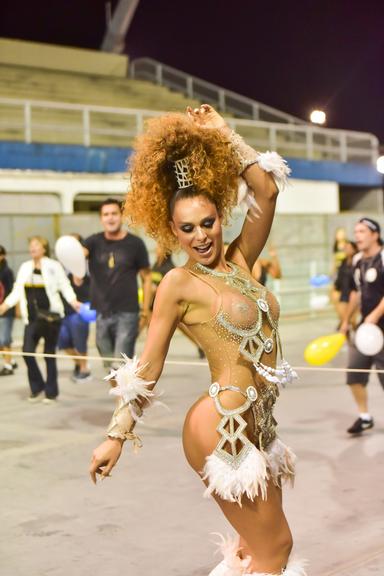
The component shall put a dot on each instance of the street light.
(318, 117)
(380, 164)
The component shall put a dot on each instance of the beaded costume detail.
(249, 453)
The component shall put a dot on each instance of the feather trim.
(246, 200)
(274, 163)
(295, 567)
(232, 564)
(230, 483)
(252, 476)
(130, 386)
(281, 462)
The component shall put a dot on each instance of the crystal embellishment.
(268, 345)
(252, 393)
(263, 304)
(214, 390)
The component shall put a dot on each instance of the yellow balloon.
(323, 349)
(140, 296)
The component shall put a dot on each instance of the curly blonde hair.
(213, 164)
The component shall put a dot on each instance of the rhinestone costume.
(241, 341)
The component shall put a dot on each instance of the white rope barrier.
(175, 362)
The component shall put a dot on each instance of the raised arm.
(138, 381)
(257, 225)
(262, 176)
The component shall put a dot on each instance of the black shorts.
(358, 360)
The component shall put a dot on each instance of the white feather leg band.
(251, 477)
(295, 567)
(233, 565)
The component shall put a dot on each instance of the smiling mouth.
(203, 249)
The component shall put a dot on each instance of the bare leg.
(79, 363)
(261, 524)
(6, 357)
(360, 395)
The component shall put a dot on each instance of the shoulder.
(52, 265)
(25, 266)
(93, 238)
(132, 239)
(357, 258)
(175, 283)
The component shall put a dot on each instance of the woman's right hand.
(104, 458)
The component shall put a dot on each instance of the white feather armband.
(277, 166)
(130, 389)
(269, 162)
(129, 384)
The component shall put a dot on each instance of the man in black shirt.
(6, 321)
(367, 292)
(116, 257)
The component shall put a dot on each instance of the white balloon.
(318, 301)
(369, 339)
(70, 253)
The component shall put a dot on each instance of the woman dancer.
(184, 184)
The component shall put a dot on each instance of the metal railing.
(60, 122)
(198, 89)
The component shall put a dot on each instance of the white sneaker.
(50, 401)
(34, 398)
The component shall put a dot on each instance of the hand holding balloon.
(87, 313)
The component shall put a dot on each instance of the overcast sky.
(291, 55)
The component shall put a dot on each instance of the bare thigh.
(261, 524)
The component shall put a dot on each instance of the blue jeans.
(73, 334)
(6, 323)
(116, 334)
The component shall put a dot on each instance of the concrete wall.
(38, 55)
(304, 245)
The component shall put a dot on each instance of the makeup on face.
(197, 226)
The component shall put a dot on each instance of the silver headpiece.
(183, 173)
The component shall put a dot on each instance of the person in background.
(338, 256)
(37, 288)
(367, 295)
(343, 282)
(6, 321)
(267, 266)
(115, 258)
(74, 330)
(339, 246)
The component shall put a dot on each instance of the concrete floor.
(150, 518)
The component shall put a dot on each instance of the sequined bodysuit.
(241, 342)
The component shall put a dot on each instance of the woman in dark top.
(343, 283)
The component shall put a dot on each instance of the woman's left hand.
(206, 117)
